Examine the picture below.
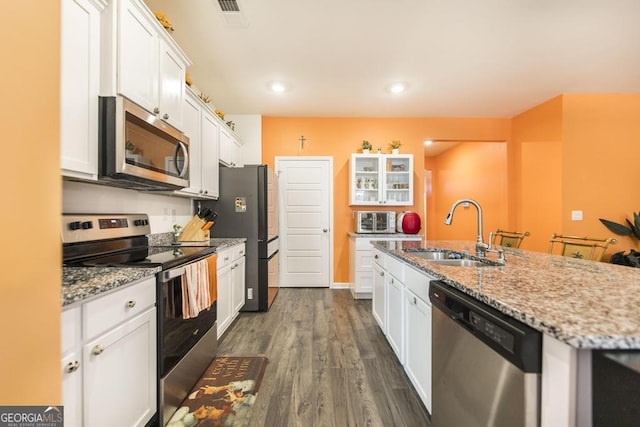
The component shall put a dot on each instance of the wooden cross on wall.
(301, 143)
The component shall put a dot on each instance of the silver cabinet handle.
(324, 230)
(97, 350)
(382, 273)
(156, 110)
(226, 258)
(165, 116)
(72, 366)
(206, 192)
(375, 256)
(414, 301)
(131, 304)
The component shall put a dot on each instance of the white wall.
(163, 210)
(249, 128)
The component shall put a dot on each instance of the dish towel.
(213, 277)
(195, 289)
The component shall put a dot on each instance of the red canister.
(408, 223)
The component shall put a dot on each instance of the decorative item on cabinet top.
(164, 21)
(395, 145)
(366, 146)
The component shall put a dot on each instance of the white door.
(306, 206)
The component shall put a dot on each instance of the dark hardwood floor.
(329, 363)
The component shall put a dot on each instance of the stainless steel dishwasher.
(486, 365)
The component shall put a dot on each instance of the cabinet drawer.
(70, 329)
(108, 311)
(363, 244)
(417, 282)
(380, 258)
(224, 258)
(395, 268)
(364, 281)
(238, 251)
(364, 260)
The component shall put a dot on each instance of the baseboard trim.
(340, 285)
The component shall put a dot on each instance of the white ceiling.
(461, 58)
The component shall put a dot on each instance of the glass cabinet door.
(398, 180)
(381, 179)
(365, 177)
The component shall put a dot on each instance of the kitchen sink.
(451, 258)
(462, 262)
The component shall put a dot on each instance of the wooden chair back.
(580, 247)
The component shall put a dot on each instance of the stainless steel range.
(185, 346)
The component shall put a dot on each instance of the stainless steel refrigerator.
(248, 207)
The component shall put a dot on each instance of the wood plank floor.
(329, 363)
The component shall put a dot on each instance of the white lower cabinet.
(417, 360)
(402, 308)
(379, 300)
(109, 358)
(231, 285)
(361, 259)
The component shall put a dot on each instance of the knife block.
(193, 232)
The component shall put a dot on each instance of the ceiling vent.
(229, 5)
(230, 11)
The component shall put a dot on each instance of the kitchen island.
(579, 306)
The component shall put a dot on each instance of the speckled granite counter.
(80, 284)
(591, 305)
(384, 235)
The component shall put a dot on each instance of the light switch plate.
(576, 215)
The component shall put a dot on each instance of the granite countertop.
(586, 304)
(80, 284)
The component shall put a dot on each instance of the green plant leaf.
(636, 219)
(634, 230)
(616, 228)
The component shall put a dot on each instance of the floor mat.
(225, 394)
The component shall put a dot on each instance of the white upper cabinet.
(148, 65)
(381, 179)
(79, 87)
(230, 148)
(202, 129)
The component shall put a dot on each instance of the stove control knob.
(87, 225)
(75, 225)
(140, 222)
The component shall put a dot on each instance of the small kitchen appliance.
(408, 223)
(375, 222)
(185, 346)
(138, 150)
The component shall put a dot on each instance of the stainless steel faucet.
(481, 247)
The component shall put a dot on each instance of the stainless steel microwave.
(138, 150)
(375, 222)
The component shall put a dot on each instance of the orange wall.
(340, 137)
(535, 173)
(601, 142)
(578, 152)
(31, 278)
(476, 170)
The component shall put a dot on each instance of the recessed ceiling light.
(398, 87)
(428, 142)
(278, 87)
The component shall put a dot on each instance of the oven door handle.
(172, 274)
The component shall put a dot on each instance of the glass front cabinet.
(381, 179)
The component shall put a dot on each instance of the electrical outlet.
(576, 215)
(250, 293)
(173, 215)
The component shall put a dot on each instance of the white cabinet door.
(395, 315)
(119, 375)
(381, 179)
(238, 279)
(79, 87)
(171, 90)
(72, 389)
(378, 303)
(193, 128)
(224, 298)
(226, 147)
(418, 345)
(209, 156)
(138, 56)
